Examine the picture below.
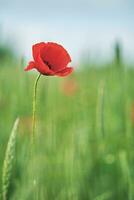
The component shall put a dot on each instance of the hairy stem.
(34, 107)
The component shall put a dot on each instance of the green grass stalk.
(8, 161)
(100, 111)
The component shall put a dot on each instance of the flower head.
(50, 59)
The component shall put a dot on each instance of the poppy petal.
(36, 49)
(30, 66)
(66, 71)
(42, 67)
(55, 55)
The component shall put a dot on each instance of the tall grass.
(8, 161)
(84, 143)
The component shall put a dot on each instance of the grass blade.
(8, 161)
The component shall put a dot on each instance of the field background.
(84, 135)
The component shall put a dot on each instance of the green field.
(84, 141)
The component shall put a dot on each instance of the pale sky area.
(80, 25)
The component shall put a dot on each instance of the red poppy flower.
(50, 59)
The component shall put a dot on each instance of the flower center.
(47, 63)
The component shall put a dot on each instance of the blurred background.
(85, 122)
(90, 26)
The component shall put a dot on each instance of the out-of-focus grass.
(84, 135)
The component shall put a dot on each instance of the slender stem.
(34, 107)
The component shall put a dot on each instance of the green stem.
(34, 107)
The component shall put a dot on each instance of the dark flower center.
(47, 63)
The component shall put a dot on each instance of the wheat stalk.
(8, 161)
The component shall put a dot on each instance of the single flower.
(50, 59)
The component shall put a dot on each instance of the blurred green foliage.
(118, 54)
(6, 54)
(84, 136)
